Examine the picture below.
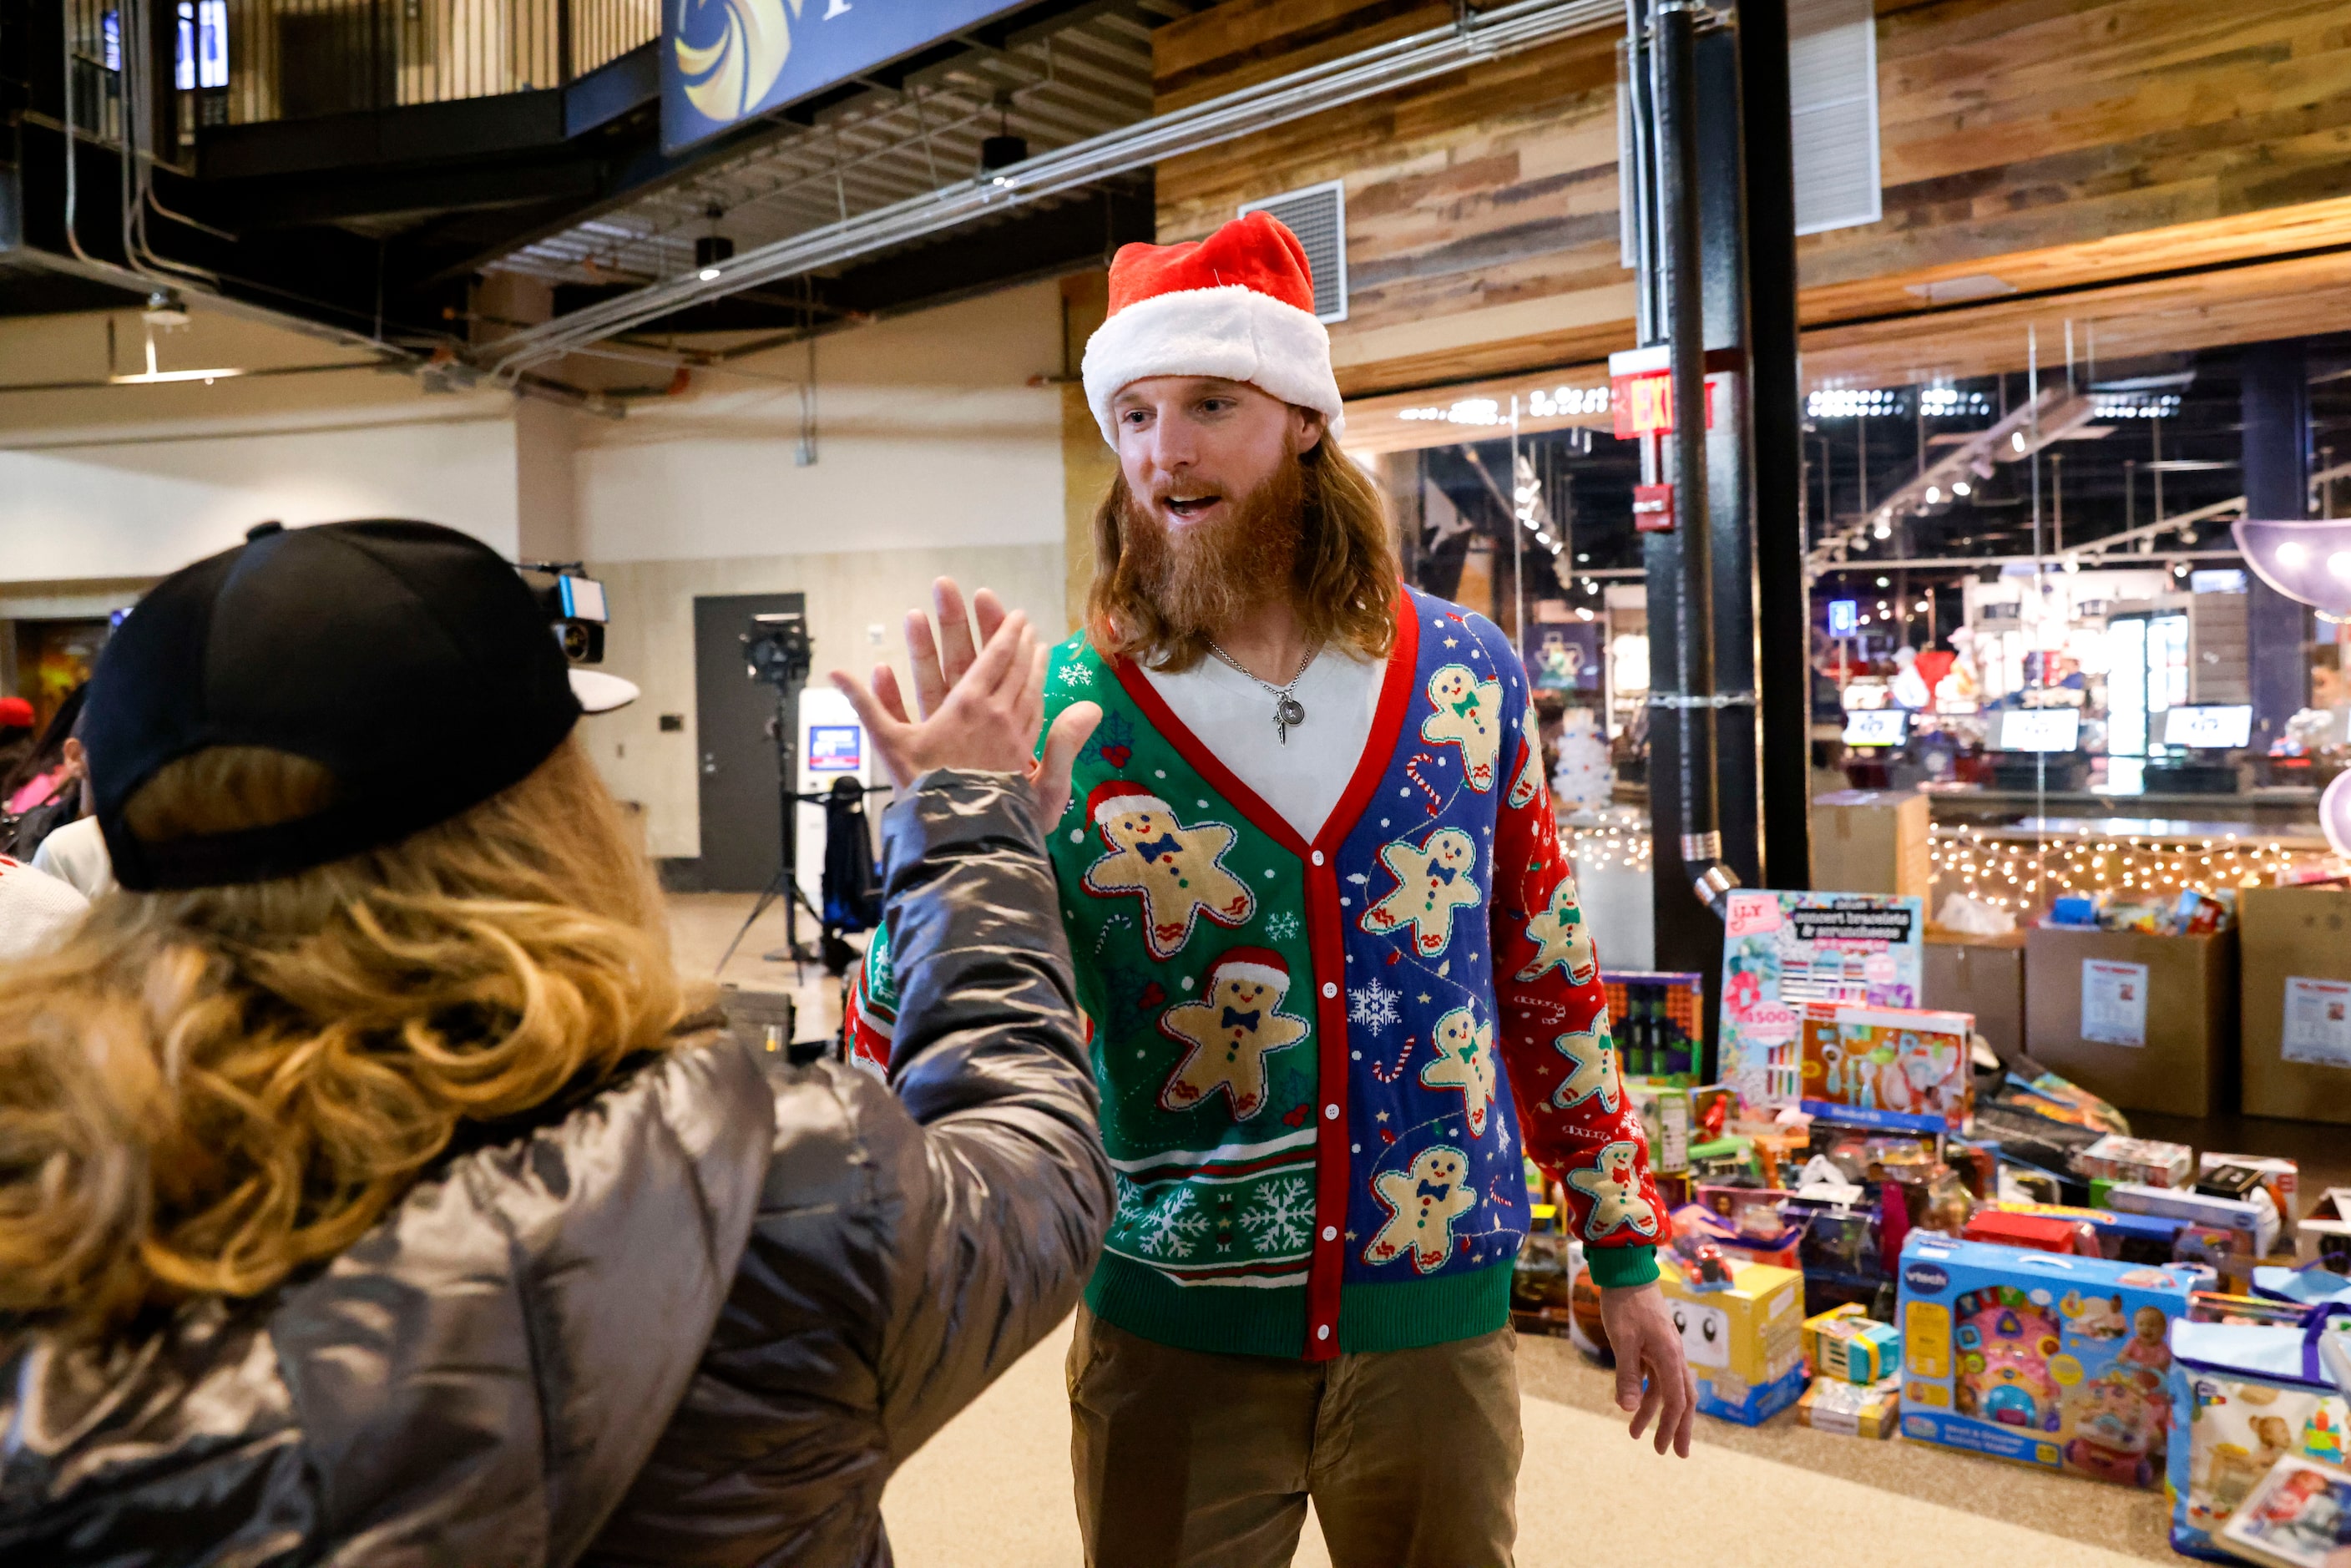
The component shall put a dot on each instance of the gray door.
(734, 737)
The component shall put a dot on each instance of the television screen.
(1875, 726)
(2040, 729)
(2210, 728)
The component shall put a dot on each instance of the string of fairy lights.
(2024, 874)
(1617, 838)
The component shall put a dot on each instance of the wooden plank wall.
(2051, 144)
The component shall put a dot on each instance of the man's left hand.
(1652, 1380)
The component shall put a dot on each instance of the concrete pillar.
(2276, 404)
(1088, 465)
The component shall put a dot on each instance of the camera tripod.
(786, 884)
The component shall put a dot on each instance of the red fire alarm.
(1653, 508)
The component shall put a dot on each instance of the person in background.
(52, 766)
(375, 1192)
(1340, 984)
(16, 738)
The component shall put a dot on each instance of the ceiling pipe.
(1402, 63)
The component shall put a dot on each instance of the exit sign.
(1642, 382)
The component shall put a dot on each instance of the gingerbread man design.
(1432, 881)
(1592, 1068)
(1528, 785)
(1232, 1033)
(1562, 939)
(1178, 872)
(1465, 1061)
(1422, 1205)
(1470, 715)
(1615, 1194)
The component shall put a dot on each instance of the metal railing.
(247, 61)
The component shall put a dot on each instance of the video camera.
(574, 603)
(777, 649)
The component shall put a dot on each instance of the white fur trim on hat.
(1232, 331)
(1256, 974)
(1119, 805)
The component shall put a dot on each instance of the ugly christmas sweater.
(1321, 1062)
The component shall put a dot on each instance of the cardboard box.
(1983, 976)
(1745, 1344)
(1872, 841)
(2297, 1002)
(2150, 1162)
(2063, 1363)
(2254, 1223)
(2145, 1022)
(1852, 1409)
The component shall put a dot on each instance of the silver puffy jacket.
(699, 1320)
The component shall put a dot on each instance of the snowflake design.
(1076, 676)
(1282, 1217)
(1283, 924)
(1373, 1007)
(1172, 1227)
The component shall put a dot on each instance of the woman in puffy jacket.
(372, 1192)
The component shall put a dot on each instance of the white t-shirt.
(76, 854)
(36, 910)
(1232, 717)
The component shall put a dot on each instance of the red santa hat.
(1259, 965)
(1238, 305)
(1117, 797)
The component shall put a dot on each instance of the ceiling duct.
(1402, 63)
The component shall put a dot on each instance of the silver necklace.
(1287, 709)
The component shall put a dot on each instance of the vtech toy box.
(2049, 1360)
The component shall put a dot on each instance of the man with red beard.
(1339, 983)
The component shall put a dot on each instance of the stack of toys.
(1658, 1022)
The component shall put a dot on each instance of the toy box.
(2299, 1517)
(1783, 950)
(2324, 1237)
(2141, 1160)
(1744, 1343)
(2256, 1223)
(1852, 1409)
(1666, 1120)
(2122, 1237)
(1695, 1225)
(2282, 1179)
(2047, 1360)
(1658, 1020)
(2040, 1232)
(1903, 1067)
(1847, 1345)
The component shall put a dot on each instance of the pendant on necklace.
(1287, 710)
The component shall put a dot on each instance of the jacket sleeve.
(1579, 1123)
(1007, 1197)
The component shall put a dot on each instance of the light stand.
(777, 652)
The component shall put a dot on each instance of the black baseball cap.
(409, 660)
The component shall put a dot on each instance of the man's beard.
(1208, 575)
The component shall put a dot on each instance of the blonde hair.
(205, 1090)
(1345, 579)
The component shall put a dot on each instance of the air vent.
(1317, 214)
(1833, 90)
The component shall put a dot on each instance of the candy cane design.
(1390, 1074)
(1412, 771)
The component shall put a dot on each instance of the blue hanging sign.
(725, 61)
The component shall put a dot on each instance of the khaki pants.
(1183, 1459)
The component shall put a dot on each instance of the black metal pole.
(1701, 839)
(1783, 612)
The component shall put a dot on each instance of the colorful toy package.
(1745, 1342)
(1783, 950)
(1903, 1067)
(1852, 1409)
(2245, 1396)
(2048, 1360)
(2299, 1517)
(1658, 1019)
